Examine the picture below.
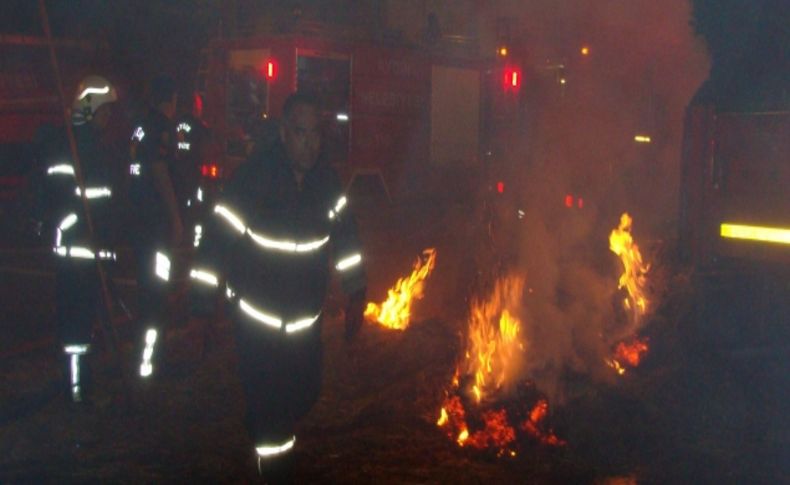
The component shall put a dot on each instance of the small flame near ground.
(395, 311)
(494, 350)
(634, 280)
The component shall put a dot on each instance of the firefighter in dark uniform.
(281, 222)
(77, 287)
(193, 150)
(157, 226)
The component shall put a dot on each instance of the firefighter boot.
(77, 372)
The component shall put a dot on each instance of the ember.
(627, 354)
(395, 311)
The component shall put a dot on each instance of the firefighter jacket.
(192, 147)
(151, 142)
(271, 243)
(60, 199)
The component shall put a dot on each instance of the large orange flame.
(494, 343)
(634, 277)
(634, 280)
(395, 311)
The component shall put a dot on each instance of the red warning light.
(209, 170)
(270, 70)
(512, 80)
(569, 201)
(500, 187)
(580, 203)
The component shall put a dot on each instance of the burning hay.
(485, 405)
(395, 311)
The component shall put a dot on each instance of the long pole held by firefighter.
(108, 331)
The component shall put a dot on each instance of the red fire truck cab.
(386, 110)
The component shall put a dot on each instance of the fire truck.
(387, 110)
(735, 203)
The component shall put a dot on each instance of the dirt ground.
(691, 413)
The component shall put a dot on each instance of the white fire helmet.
(92, 92)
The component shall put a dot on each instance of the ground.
(700, 409)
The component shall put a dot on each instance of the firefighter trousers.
(77, 300)
(152, 262)
(280, 374)
(78, 303)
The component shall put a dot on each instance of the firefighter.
(77, 286)
(157, 227)
(280, 221)
(192, 150)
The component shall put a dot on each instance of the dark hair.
(297, 98)
(162, 89)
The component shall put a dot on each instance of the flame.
(493, 347)
(634, 277)
(634, 280)
(395, 311)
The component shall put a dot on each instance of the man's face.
(301, 136)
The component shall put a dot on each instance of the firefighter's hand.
(354, 314)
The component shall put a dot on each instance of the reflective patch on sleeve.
(348, 262)
(61, 168)
(68, 222)
(204, 276)
(94, 192)
(162, 268)
(301, 324)
(198, 235)
(341, 203)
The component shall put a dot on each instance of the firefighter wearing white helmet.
(75, 250)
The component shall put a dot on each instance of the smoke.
(577, 141)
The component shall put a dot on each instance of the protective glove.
(355, 313)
